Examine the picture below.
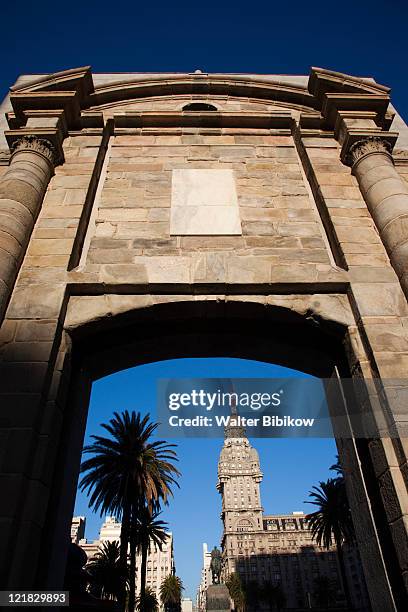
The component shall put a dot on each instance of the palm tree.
(147, 603)
(332, 521)
(105, 571)
(236, 591)
(146, 532)
(336, 467)
(126, 472)
(170, 593)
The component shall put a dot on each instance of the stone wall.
(279, 220)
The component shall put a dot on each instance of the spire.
(234, 429)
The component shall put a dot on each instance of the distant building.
(77, 529)
(160, 563)
(274, 548)
(186, 605)
(110, 530)
(206, 579)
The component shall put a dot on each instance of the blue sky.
(194, 513)
(362, 37)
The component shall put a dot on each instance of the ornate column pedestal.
(386, 195)
(218, 598)
(22, 190)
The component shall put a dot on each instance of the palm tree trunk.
(124, 542)
(132, 569)
(143, 567)
(346, 589)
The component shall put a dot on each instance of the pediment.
(76, 99)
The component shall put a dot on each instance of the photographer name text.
(240, 421)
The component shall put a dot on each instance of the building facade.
(186, 605)
(78, 529)
(156, 216)
(206, 578)
(160, 563)
(277, 549)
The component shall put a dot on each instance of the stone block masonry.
(138, 218)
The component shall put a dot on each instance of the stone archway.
(258, 329)
(89, 260)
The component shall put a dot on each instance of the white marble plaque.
(204, 202)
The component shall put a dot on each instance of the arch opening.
(168, 331)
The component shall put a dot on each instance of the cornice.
(71, 100)
(73, 91)
(333, 103)
(78, 79)
(400, 157)
(207, 85)
(322, 81)
(25, 102)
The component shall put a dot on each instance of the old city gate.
(150, 216)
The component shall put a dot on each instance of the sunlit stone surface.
(204, 202)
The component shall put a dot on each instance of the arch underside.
(209, 329)
(175, 329)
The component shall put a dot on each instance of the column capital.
(357, 144)
(45, 141)
(371, 144)
(42, 146)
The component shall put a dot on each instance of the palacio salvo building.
(155, 216)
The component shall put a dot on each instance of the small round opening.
(198, 106)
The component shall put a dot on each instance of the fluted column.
(386, 196)
(22, 189)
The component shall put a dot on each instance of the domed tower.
(239, 477)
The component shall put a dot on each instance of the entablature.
(54, 106)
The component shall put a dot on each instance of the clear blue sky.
(194, 513)
(362, 37)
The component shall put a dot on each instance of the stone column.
(22, 189)
(386, 196)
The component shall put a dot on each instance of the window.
(196, 107)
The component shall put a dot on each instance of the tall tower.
(239, 477)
